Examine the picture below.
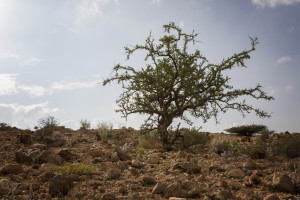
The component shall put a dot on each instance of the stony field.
(84, 164)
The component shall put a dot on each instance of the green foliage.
(222, 147)
(247, 130)
(150, 140)
(192, 137)
(76, 168)
(85, 124)
(256, 151)
(288, 145)
(176, 81)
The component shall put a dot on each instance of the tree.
(175, 82)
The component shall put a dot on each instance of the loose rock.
(60, 184)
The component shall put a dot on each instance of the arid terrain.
(68, 164)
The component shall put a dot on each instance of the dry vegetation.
(120, 164)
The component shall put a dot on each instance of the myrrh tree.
(175, 82)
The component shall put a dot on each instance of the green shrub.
(76, 168)
(150, 140)
(104, 129)
(288, 145)
(192, 137)
(247, 130)
(85, 124)
(222, 147)
(256, 151)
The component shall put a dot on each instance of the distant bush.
(247, 130)
(222, 147)
(256, 151)
(150, 140)
(85, 124)
(192, 137)
(104, 129)
(48, 121)
(5, 127)
(288, 145)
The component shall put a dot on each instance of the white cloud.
(274, 3)
(284, 59)
(33, 90)
(9, 56)
(289, 88)
(155, 2)
(31, 61)
(181, 24)
(90, 8)
(24, 116)
(8, 84)
(72, 85)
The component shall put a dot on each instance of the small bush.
(104, 129)
(256, 151)
(288, 145)
(85, 124)
(192, 137)
(223, 147)
(150, 140)
(247, 130)
(48, 121)
(76, 168)
(5, 127)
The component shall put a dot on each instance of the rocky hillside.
(67, 164)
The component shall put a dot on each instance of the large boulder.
(12, 169)
(60, 185)
(5, 186)
(283, 182)
(271, 197)
(173, 190)
(22, 158)
(188, 167)
(122, 154)
(49, 156)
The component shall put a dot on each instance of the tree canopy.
(175, 82)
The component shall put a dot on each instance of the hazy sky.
(54, 55)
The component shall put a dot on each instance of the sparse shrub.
(48, 121)
(4, 127)
(76, 168)
(256, 151)
(222, 147)
(246, 130)
(192, 137)
(288, 145)
(104, 129)
(150, 140)
(85, 124)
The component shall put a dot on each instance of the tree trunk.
(163, 131)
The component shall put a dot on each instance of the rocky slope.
(81, 165)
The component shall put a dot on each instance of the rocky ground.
(81, 165)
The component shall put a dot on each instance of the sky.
(55, 54)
